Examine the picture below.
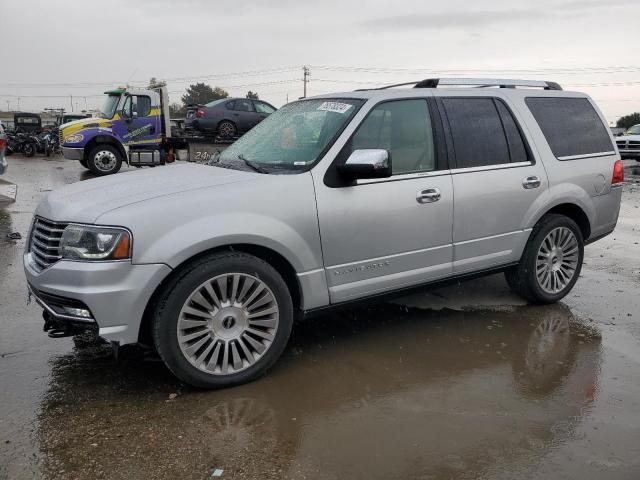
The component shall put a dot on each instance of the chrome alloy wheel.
(557, 260)
(227, 129)
(228, 323)
(105, 160)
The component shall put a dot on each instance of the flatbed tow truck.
(134, 126)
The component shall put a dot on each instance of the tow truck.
(134, 126)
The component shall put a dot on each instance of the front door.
(383, 234)
(139, 122)
(496, 181)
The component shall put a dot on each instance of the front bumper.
(115, 293)
(73, 153)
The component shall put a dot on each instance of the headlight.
(75, 138)
(86, 242)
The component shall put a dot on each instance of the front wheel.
(104, 160)
(84, 163)
(223, 321)
(551, 263)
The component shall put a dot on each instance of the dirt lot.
(462, 382)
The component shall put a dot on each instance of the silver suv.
(331, 199)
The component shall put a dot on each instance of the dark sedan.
(228, 117)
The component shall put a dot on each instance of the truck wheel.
(551, 263)
(223, 321)
(104, 160)
(227, 129)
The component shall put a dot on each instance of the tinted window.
(231, 105)
(404, 128)
(477, 132)
(570, 125)
(517, 149)
(262, 107)
(141, 106)
(244, 105)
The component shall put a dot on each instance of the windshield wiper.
(252, 165)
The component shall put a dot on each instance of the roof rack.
(476, 82)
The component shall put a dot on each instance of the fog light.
(77, 312)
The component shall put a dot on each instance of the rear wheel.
(29, 150)
(224, 321)
(227, 129)
(551, 263)
(104, 160)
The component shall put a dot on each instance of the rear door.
(244, 114)
(263, 110)
(384, 234)
(496, 181)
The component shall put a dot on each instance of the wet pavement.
(462, 382)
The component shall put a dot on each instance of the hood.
(85, 201)
(75, 126)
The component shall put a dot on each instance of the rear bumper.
(73, 153)
(115, 294)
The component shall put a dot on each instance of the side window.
(404, 128)
(262, 107)
(243, 105)
(517, 148)
(477, 132)
(141, 106)
(570, 125)
(230, 105)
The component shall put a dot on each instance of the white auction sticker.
(337, 107)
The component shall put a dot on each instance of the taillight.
(200, 114)
(3, 144)
(618, 173)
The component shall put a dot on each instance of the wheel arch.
(575, 213)
(273, 258)
(104, 139)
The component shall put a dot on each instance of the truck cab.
(132, 126)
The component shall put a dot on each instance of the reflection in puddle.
(387, 392)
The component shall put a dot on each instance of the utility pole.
(9, 108)
(305, 79)
(71, 96)
(18, 103)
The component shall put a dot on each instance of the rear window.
(571, 126)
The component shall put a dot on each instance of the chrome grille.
(60, 137)
(44, 244)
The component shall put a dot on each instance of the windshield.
(293, 137)
(635, 130)
(109, 106)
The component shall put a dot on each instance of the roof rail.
(486, 82)
(474, 82)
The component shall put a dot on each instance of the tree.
(252, 95)
(201, 93)
(628, 120)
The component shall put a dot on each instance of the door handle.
(429, 195)
(531, 182)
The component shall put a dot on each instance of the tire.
(84, 163)
(227, 129)
(29, 150)
(559, 269)
(191, 325)
(104, 160)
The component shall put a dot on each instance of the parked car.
(3, 147)
(332, 199)
(629, 143)
(228, 117)
(27, 123)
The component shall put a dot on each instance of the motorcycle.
(21, 143)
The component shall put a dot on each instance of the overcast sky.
(57, 48)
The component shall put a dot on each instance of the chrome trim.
(405, 176)
(55, 314)
(484, 168)
(587, 155)
(73, 153)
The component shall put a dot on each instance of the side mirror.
(367, 163)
